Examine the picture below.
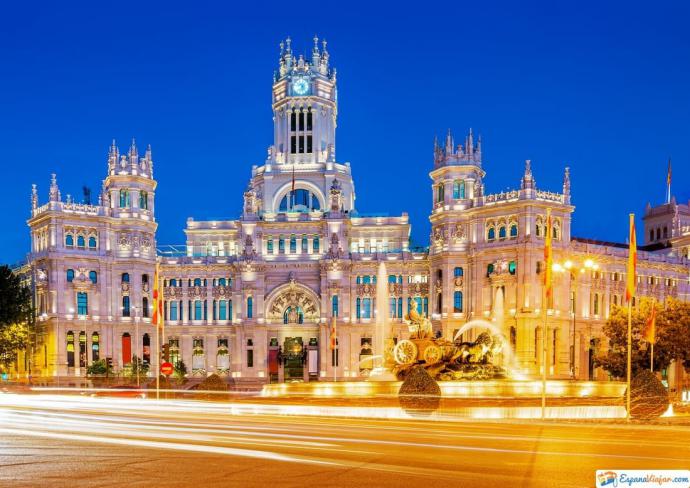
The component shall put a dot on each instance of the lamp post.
(574, 269)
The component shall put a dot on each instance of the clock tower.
(304, 107)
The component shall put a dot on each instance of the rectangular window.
(309, 145)
(308, 120)
(269, 246)
(215, 315)
(125, 306)
(82, 303)
(250, 358)
(293, 144)
(281, 245)
(334, 355)
(223, 310)
(301, 144)
(173, 310)
(250, 307)
(197, 309)
(305, 245)
(316, 244)
(293, 244)
(301, 121)
(366, 308)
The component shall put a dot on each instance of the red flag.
(649, 332)
(334, 336)
(632, 262)
(548, 259)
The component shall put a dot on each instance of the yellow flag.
(157, 300)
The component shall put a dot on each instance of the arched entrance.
(126, 349)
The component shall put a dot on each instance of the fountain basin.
(491, 389)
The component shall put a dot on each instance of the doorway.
(294, 356)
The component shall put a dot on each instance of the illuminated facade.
(254, 298)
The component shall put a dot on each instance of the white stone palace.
(253, 298)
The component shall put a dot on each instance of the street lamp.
(136, 348)
(574, 269)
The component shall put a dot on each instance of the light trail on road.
(279, 436)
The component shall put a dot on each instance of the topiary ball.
(213, 383)
(419, 393)
(648, 396)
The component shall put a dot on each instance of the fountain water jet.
(382, 335)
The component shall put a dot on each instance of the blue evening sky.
(603, 87)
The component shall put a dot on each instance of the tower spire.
(668, 182)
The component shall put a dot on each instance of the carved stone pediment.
(292, 298)
(222, 292)
(171, 292)
(197, 292)
(419, 288)
(366, 289)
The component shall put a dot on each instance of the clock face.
(300, 86)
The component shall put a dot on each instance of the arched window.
(491, 235)
(69, 240)
(125, 306)
(269, 245)
(658, 234)
(366, 279)
(143, 200)
(81, 242)
(144, 279)
(197, 281)
(391, 278)
(513, 231)
(125, 278)
(502, 232)
(305, 245)
(92, 242)
(293, 244)
(556, 231)
(70, 275)
(93, 276)
(145, 307)
(299, 200)
(458, 272)
(82, 303)
(457, 302)
(489, 269)
(173, 282)
(289, 311)
(95, 346)
(146, 349)
(250, 307)
(459, 189)
(538, 229)
(440, 193)
(126, 348)
(316, 244)
(281, 245)
(124, 198)
(70, 349)
(511, 267)
(222, 282)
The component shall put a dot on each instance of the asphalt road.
(51, 440)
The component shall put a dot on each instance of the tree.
(16, 316)
(672, 341)
(137, 367)
(180, 371)
(99, 367)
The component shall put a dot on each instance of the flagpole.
(651, 365)
(547, 292)
(543, 357)
(629, 368)
(158, 341)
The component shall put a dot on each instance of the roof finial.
(282, 47)
(316, 43)
(288, 42)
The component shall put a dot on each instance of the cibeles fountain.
(477, 363)
(444, 360)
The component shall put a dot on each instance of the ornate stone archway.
(292, 296)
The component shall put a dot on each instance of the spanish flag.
(548, 259)
(649, 332)
(632, 262)
(333, 344)
(157, 300)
